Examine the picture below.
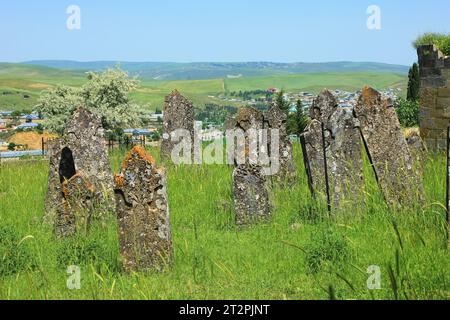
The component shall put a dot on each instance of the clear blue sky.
(232, 30)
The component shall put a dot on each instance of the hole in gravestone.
(66, 165)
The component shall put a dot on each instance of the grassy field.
(19, 81)
(300, 254)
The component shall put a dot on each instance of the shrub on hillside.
(325, 247)
(408, 112)
(15, 255)
(442, 41)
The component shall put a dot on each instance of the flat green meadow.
(300, 254)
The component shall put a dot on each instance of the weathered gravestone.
(251, 198)
(77, 209)
(313, 148)
(143, 213)
(178, 117)
(230, 123)
(387, 148)
(276, 119)
(418, 151)
(81, 151)
(333, 151)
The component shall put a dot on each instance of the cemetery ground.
(300, 254)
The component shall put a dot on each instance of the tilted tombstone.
(251, 198)
(387, 148)
(178, 115)
(333, 151)
(276, 119)
(81, 150)
(143, 213)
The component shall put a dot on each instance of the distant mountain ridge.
(214, 70)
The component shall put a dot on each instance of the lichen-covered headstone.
(344, 158)
(334, 132)
(143, 213)
(314, 157)
(81, 149)
(77, 209)
(276, 119)
(388, 149)
(250, 122)
(230, 123)
(178, 115)
(251, 199)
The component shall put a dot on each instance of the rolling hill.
(214, 70)
(21, 84)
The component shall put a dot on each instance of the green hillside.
(21, 85)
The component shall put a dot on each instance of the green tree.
(298, 121)
(413, 83)
(301, 119)
(408, 112)
(282, 103)
(106, 94)
(12, 146)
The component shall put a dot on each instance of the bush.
(442, 41)
(82, 251)
(326, 246)
(15, 256)
(408, 112)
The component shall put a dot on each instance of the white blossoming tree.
(105, 93)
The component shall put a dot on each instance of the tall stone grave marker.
(81, 152)
(178, 115)
(143, 213)
(388, 150)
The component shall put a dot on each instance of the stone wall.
(434, 96)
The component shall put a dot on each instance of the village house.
(3, 125)
(27, 126)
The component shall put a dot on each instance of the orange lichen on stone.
(140, 151)
(245, 114)
(119, 180)
(87, 183)
(369, 95)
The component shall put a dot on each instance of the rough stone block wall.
(434, 96)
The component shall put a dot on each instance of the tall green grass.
(300, 254)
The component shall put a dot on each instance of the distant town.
(24, 134)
